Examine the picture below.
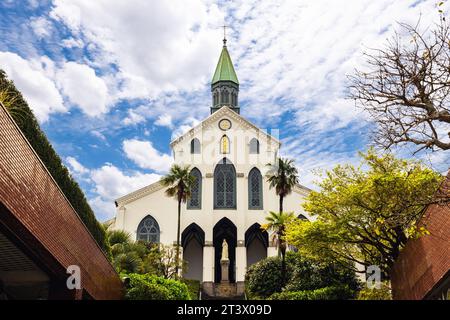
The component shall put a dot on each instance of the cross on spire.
(224, 34)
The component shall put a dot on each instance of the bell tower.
(225, 84)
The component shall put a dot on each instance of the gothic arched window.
(225, 97)
(255, 191)
(224, 145)
(234, 99)
(195, 201)
(225, 185)
(216, 98)
(195, 146)
(148, 230)
(254, 146)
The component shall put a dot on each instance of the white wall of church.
(133, 208)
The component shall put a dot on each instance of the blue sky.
(112, 82)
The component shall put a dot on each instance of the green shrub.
(118, 237)
(327, 293)
(263, 279)
(384, 293)
(193, 287)
(25, 119)
(151, 287)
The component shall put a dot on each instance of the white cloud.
(133, 118)
(72, 43)
(159, 46)
(41, 27)
(33, 79)
(111, 183)
(164, 120)
(185, 126)
(75, 166)
(83, 88)
(146, 156)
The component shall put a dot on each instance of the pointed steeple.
(225, 84)
(224, 69)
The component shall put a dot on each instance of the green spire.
(225, 70)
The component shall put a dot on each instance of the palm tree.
(178, 182)
(277, 222)
(282, 176)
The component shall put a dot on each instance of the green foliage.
(327, 293)
(365, 216)
(141, 257)
(161, 260)
(118, 236)
(264, 278)
(384, 293)
(25, 119)
(193, 287)
(282, 176)
(152, 287)
(178, 182)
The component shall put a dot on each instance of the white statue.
(224, 250)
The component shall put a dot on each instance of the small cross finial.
(224, 35)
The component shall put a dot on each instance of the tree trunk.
(283, 263)
(177, 258)
(281, 203)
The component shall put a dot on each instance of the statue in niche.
(224, 250)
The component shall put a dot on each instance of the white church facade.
(230, 198)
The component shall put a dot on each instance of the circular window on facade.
(224, 124)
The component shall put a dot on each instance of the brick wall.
(425, 261)
(29, 192)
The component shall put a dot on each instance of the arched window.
(254, 146)
(225, 185)
(224, 145)
(216, 98)
(255, 192)
(233, 99)
(148, 230)
(195, 146)
(195, 201)
(225, 97)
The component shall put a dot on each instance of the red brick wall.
(32, 196)
(425, 261)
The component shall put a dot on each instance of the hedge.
(264, 277)
(151, 287)
(327, 293)
(25, 119)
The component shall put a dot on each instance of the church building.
(230, 198)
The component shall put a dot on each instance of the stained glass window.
(255, 199)
(195, 146)
(225, 185)
(224, 145)
(148, 230)
(254, 146)
(195, 201)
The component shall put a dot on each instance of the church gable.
(238, 123)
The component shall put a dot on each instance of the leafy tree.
(28, 124)
(282, 176)
(178, 182)
(264, 278)
(277, 222)
(161, 260)
(383, 293)
(406, 88)
(366, 216)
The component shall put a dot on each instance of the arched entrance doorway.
(193, 241)
(224, 229)
(256, 242)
